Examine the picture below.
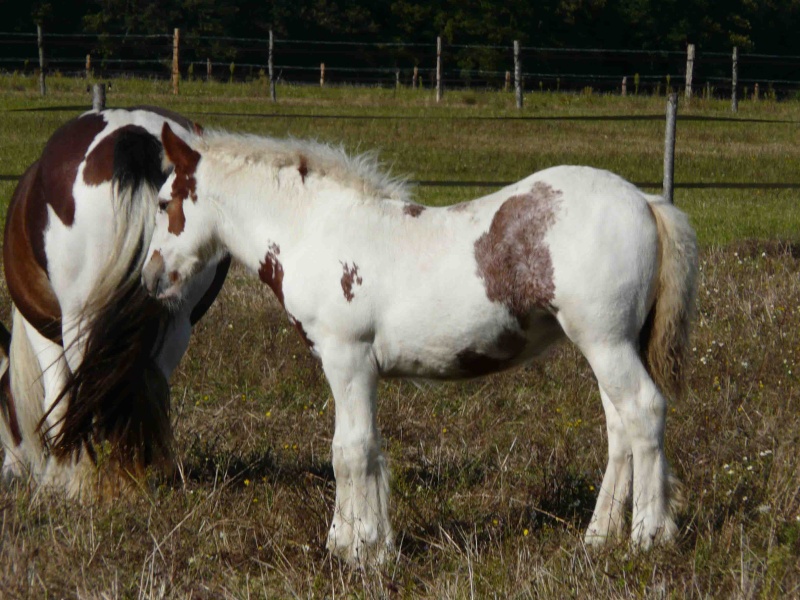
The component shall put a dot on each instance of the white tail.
(666, 341)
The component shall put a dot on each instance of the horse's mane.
(362, 172)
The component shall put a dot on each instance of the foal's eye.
(162, 204)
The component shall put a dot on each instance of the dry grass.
(493, 480)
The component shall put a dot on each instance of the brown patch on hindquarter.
(513, 259)
(99, 167)
(61, 157)
(350, 277)
(271, 271)
(507, 347)
(24, 259)
(413, 210)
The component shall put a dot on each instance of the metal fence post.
(272, 92)
(669, 147)
(438, 68)
(517, 75)
(40, 41)
(689, 70)
(99, 96)
(735, 80)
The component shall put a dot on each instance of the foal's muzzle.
(152, 274)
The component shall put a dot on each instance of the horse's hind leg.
(360, 530)
(609, 517)
(642, 410)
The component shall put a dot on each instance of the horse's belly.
(466, 352)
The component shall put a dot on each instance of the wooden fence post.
(88, 66)
(397, 79)
(438, 68)
(208, 70)
(689, 70)
(755, 92)
(624, 86)
(669, 147)
(508, 81)
(40, 41)
(415, 78)
(517, 75)
(176, 74)
(735, 80)
(99, 96)
(272, 91)
(321, 74)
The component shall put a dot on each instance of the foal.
(378, 286)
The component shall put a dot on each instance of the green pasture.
(478, 135)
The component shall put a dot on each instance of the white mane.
(361, 172)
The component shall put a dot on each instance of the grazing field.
(494, 480)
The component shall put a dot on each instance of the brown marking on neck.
(24, 258)
(271, 271)
(508, 346)
(350, 277)
(303, 168)
(513, 259)
(61, 158)
(184, 185)
(413, 210)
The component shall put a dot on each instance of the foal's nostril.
(151, 273)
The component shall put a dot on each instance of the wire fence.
(394, 63)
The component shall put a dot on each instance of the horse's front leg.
(360, 531)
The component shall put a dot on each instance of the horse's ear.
(178, 152)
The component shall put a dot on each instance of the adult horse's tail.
(118, 395)
(665, 336)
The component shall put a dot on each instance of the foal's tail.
(665, 336)
(118, 394)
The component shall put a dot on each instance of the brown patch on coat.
(99, 167)
(184, 185)
(61, 157)
(299, 327)
(303, 168)
(508, 346)
(211, 293)
(271, 271)
(513, 259)
(413, 210)
(24, 258)
(349, 279)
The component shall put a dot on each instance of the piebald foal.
(381, 287)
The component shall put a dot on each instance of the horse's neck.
(259, 213)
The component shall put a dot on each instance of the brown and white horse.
(381, 287)
(90, 353)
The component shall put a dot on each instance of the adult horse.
(90, 352)
(381, 287)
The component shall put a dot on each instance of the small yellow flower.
(205, 398)
(269, 413)
(524, 532)
(494, 521)
(444, 429)
(247, 482)
(591, 488)
(255, 500)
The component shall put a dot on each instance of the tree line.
(756, 26)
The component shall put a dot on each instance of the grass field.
(493, 480)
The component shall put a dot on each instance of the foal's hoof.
(357, 550)
(646, 536)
